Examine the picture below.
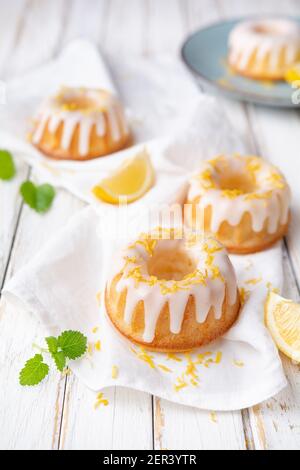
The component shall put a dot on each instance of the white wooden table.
(59, 414)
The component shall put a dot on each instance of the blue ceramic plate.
(205, 53)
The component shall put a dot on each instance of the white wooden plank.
(126, 28)
(87, 20)
(39, 36)
(30, 416)
(165, 26)
(199, 14)
(182, 427)
(11, 25)
(235, 8)
(125, 423)
(9, 204)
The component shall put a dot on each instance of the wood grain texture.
(60, 413)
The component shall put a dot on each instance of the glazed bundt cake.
(172, 294)
(264, 49)
(242, 201)
(80, 124)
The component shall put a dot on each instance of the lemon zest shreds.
(95, 329)
(270, 287)
(98, 345)
(244, 295)
(207, 180)
(253, 281)
(212, 247)
(238, 363)
(213, 417)
(100, 400)
(215, 161)
(164, 368)
(191, 368)
(201, 357)
(90, 348)
(173, 357)
(194, 382)
(216, 273)
(144, 356)
(232, 193)
(218, 357)
(181, 383)
(148, 243)
(207, 362)
(264, 195)
(277, 180)
(114, 372)
(129, 260)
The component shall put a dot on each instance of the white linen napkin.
(61, 284)
(61, 287)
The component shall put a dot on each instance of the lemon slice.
(293, 73)
(130, 181)
(282, 317)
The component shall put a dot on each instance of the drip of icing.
(269, 203)
(245, 41)
(209, 292)
(113, 123)
(100, 126)
(51, 115)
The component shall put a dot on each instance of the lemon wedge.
(282, 317)
(130, 181)
(293, 73)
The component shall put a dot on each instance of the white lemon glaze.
(268, 201)
(267, 38)
(105, 113)
(212, 278)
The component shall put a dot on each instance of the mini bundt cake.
(172, 294)
(264, 49)
(80, 124)
(242, 201)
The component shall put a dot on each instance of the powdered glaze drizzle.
(213, 278)
(106, 116)
(267, 39)
(269, 202)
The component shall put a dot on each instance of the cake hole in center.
(267, 29)
(170, 264)
(78, 103)
(238, 181)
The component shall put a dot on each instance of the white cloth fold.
(61, 283)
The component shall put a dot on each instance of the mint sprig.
(69, 345)
(7, 165)
(39, 198)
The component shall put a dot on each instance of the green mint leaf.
(38, 198)
(34, 371)
(7, 166)
(52, 344)
(72, 343)
(28, 193)
(59, 359)
(44, 197)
